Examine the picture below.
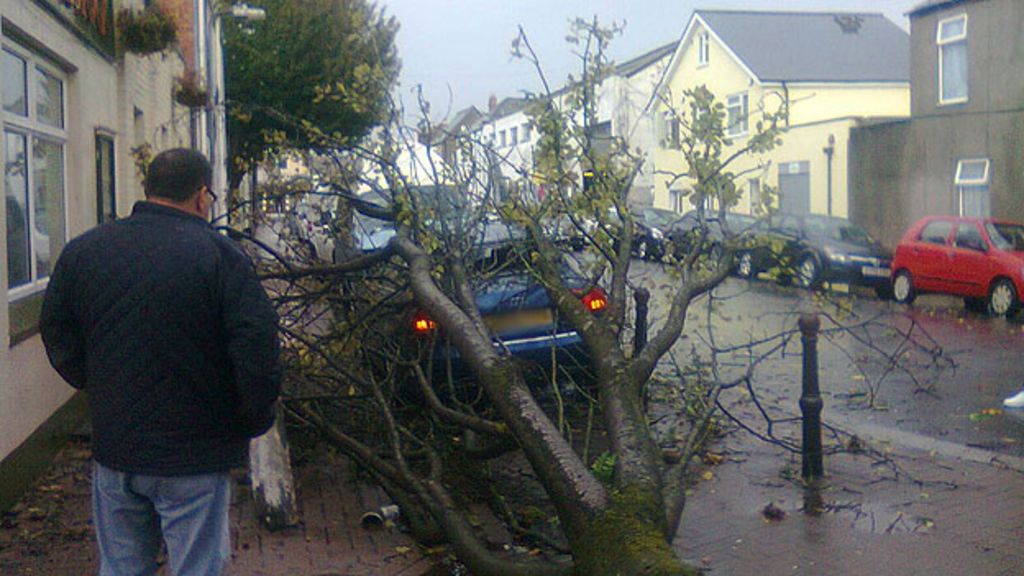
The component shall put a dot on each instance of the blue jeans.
(132, 511)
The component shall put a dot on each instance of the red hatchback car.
(978, 258)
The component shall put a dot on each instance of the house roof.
(635, 65)
(508, 106)
(468, 117)
(930, 5)
(814, 46)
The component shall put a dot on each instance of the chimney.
(492, 104)
(849, 23)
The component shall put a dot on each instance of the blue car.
(521, 317)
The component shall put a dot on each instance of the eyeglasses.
(212, 194)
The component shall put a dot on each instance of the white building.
(624, 110)
(73, 110)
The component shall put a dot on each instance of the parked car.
(516, 308)
(980, 259)
(812, 248)
(650, 228)
(685, 231)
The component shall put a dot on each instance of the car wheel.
(745, 266)
(1002, 298)
(808, 271)
(903, 288)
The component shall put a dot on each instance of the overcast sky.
(459, 50)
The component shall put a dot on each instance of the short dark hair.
(177, 174)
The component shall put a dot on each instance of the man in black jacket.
(163, 323)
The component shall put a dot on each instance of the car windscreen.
(837, 229)
(1006, 236)
(659, 218)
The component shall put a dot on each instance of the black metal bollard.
(810, 399)
(642, 296)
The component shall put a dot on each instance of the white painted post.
(270, 470)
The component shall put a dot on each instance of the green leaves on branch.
(320, 72)
(699, 131)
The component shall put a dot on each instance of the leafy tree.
(429, 436)
(328, 64)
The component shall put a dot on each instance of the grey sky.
(459, 50)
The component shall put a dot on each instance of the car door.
(790, 232)
(969, 265)
(928, 261)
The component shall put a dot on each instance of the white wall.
(96, 98)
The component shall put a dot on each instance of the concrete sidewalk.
(897, 510)
(916, 513)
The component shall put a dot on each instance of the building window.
(502, 139)
(106, 198)
(670, 130)
(514, 135)
(33, 152)
(737, 110)
(972, 180)
(951, 38)
(703, 49)
(526, 132)
(757, 203)
(678, 198)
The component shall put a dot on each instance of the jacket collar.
(148, 208)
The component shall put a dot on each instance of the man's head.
(181, 177)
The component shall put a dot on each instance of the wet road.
(948, 383)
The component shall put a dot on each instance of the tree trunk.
(627, 538)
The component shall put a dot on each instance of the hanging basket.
(190, 92)
(145, 32)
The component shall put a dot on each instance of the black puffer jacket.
(164, 324)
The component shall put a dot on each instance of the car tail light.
(595, 300)
(422, 324)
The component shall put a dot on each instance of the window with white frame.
(526, 132)
(703, 49)
(33, 151)
(951, 38)
(502, 140)
(972, 187)
(754, 194)
(514, 135)
(670, 130)
(736, 107)
(678, 198)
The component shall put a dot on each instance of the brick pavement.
(51, 535)
(934, 514)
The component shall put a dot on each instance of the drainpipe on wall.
(829, 151)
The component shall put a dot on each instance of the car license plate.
(519, 320)
(874, 272)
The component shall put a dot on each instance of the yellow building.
(833, 70)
